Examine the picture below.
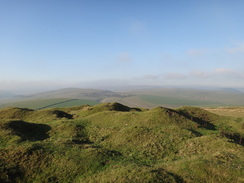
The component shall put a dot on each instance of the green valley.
(145, 98)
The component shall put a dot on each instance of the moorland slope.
(111, 142)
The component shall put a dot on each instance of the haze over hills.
(6, 94)
(132, 96)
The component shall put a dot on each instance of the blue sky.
(90, 43)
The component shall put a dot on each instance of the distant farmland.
(173, 101)
(149, 98)
(50, 103)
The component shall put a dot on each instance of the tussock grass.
(132, 173)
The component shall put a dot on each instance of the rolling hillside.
(175, 97)
(77, 93)
(111, 142)
(50, 103)
(146, 98)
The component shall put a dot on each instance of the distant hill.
(241, 89)
(49, 103)
(175, 97)
(6, 94)
(77, 95)
(91, 94)
(146, 98)
(232, 90)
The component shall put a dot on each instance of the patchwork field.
(50, 103)
(167, 97)
(171, 101)
(112, 142)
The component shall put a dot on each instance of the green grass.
(228, 111)
(234, 117)
(115, 143)
(174, 101)
(74, 102)
(50, 103)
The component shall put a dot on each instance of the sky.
(52, 44)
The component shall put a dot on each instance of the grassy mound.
(15, 113)
(133, 173)
(25, 130)
(88, 110)
(48, 115)
(164, 116)
(202, 117)
(209, 159)
(69, 132)
(114, 143)
(29, 114)
(45, 163)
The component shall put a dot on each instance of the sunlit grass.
(115, 143)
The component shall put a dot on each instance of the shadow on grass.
(200, 122)
(195, 133)
(165, 176)
(235, 137)
(9, 173)
(30, 131)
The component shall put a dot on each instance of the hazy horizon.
(55, 44)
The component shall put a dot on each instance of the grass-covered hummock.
(114, 143)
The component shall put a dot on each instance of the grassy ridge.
(114, 143)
